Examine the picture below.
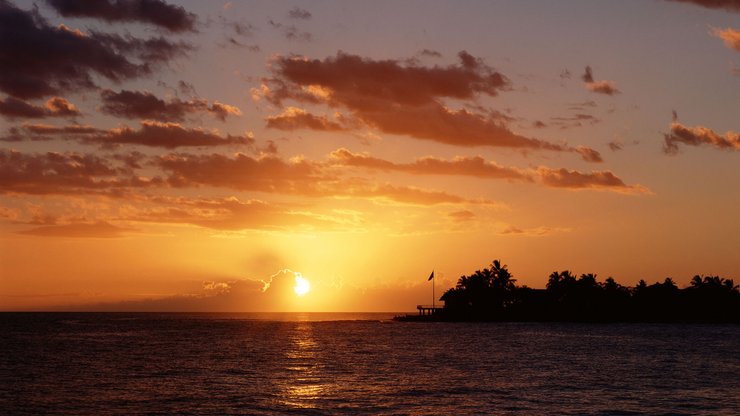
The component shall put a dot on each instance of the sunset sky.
(200, 155)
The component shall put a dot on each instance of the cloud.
(478, 167)
(12, 107)
(600, 87)
(155, 12)
(293, 118)
(430, 53)
(576, 120)
(64, 173)
(468, 166)
(589, 155)
(729, 5)
(698, 136)
(615, 145)
(596, 180)
(291, 32)
(402, 98)
(730, 36)
(168, 135)
(145, 105)
(462, 216)
(39, 60)
(79, 230)
(298, 13)
(271, 174)
(233, 214)
(529, 232)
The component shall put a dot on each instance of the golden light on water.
(302, 285)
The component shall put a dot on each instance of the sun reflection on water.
(304, 385)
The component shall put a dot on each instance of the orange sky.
(198, 158)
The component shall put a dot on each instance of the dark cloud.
(151, 133)
(37, 59)
(729, 5)
(64, 173)
(404, 99)
(430, 53)
(298, 13)
(12, 107)
(575, 120)
(145, 105)
(699, 136)
(154, 12)
(167, 135)
(291, 32)
(615, 146)
(600, 87)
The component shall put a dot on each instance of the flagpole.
(433, 297)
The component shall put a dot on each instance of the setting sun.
(302, 286)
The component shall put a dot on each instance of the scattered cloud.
(48, 60)
(430, 53)
(698, 136)
(12, 108)
(298, 13)
(402, 98)
(145, 105)
(291, 32)
(600, 87)
(576, 120)
(729, 5)
(154, 12)
(615, 145)
(596, 180)
(293, 118)
(731, 37)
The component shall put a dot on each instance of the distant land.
(491, 294)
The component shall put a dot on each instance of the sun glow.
(302, 285)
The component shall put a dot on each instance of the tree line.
(491, 294)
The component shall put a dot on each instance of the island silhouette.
(491, 294)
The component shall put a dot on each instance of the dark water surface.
(360, 363)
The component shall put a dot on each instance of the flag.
(431, 276)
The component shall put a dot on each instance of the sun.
(302, 285)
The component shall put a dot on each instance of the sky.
(206, 156)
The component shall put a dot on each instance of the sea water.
(111, 363)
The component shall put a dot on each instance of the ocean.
(306, 364)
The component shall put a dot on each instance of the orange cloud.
(468, 166)
(79, 230)
(601, 87)
(293, 118)
(598, 180)
(478, 167)
(11, 107)
(730, 36)
(697, 136)
(398, 98)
